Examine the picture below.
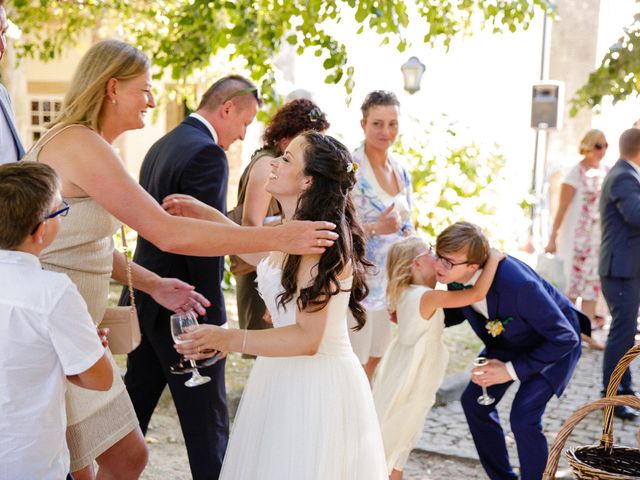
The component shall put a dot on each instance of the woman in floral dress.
(383, 200)
(575, 236)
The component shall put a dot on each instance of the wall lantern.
(412, 71)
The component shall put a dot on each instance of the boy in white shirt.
(46, 332)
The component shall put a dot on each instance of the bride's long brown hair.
(328, 198)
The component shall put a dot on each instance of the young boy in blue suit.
(531, 333)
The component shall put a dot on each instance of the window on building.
(43, 110)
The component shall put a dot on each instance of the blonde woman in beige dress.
(109, 95)
(412, 369)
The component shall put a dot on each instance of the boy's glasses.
(447, 263)
(63, 212)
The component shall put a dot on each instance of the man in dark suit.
(11, 149)
(619, 266)
(191, 160)
(531, 333)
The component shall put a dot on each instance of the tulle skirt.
(306, 417)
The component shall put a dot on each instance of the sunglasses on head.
(244, 91)
(600, 146)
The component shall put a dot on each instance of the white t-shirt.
(45, 334)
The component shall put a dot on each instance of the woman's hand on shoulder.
(301, 237)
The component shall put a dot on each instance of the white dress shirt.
(206, 123)
(46, 333)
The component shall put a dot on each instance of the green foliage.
(616, 77)
(454, 178)
(228, 280)
(182, 36)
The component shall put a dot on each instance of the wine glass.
(183, 323)
(484, 399)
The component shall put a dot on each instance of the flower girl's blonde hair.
(399, 260)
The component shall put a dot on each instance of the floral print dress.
(580, 240)
(370, 201)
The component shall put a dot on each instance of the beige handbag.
(122, 322)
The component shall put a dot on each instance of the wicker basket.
(604, 461)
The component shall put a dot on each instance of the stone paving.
(446, 432)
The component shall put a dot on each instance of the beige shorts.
(374, 338)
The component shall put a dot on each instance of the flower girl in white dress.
(412, 369)
(307, 412)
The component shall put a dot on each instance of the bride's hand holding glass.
(202, 340)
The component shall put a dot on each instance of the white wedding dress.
(306, 417)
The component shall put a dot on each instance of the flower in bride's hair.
(352, 167)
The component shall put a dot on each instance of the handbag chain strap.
(126, 251)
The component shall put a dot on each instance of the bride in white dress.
(307, 410)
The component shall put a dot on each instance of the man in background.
(190, 160)
(11, 149)
(619, 266)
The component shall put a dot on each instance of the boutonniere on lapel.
(497, 326)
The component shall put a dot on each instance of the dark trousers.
(623, 300)
(202, 410)
(526, 424)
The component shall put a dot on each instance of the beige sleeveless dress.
(83, 250)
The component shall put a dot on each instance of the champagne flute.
(183, 323)
(484, 399)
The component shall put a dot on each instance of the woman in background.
(256, 205)
(383, 200)
(575, 235)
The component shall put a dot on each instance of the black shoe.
(625, 413)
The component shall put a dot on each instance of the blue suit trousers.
(623, 299)
(528, 406)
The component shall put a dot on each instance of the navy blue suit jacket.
(543, 336)
(186, 160)
(620, 219)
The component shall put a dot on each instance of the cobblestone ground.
(446, 433)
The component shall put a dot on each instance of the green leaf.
(329, 63)
(361, 15)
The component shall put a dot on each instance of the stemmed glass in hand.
(484, 399)
(183, 323)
